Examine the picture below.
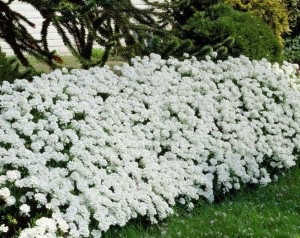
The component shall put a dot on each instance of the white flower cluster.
(95, 147)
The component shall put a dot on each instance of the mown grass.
(69, 61)
(271, 211)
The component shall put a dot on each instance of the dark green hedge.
(252, 37)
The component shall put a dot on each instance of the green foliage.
(273, 12)
(168, 14)
(163, 45)
(292, 40)
(80, 23)
(292, 49)
(10, 69)
(13, 30)
(218, 28)
(83, 23)
(293, 7)
(252, 37)
(176, 47)
(182, 10)
(97, 53)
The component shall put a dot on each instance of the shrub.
(10, 69)
(273, 12)
(292, 49)
(293, 7)
(97, 53)
(219, 28)
(252, 37)
(87, 149)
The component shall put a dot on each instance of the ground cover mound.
(83, 150)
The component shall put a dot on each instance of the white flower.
(3, 179)
(4, 193)
(22, 199)
(45, 227)
(214, 54)
(24, 209)
(3, 228)
(190, 206)
(13, 175)
(182, 201)
(129, 145)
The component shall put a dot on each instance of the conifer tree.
(84, 23)
(81, 24)
(13, 31)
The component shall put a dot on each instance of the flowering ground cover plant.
(81, 151)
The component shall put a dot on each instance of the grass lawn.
(69, 62)
(271, 211)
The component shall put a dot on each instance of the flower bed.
(89, 149)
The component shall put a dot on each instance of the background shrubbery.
(252, 37)
(10, 69)
(219, 28)
(293, 7)
(292, 39)
(273, 12)
(168, 28)
(81, 24)
(292, 49)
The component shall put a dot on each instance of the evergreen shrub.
(9, 68)
(292, 49)
(252, 36)
(274, 12)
